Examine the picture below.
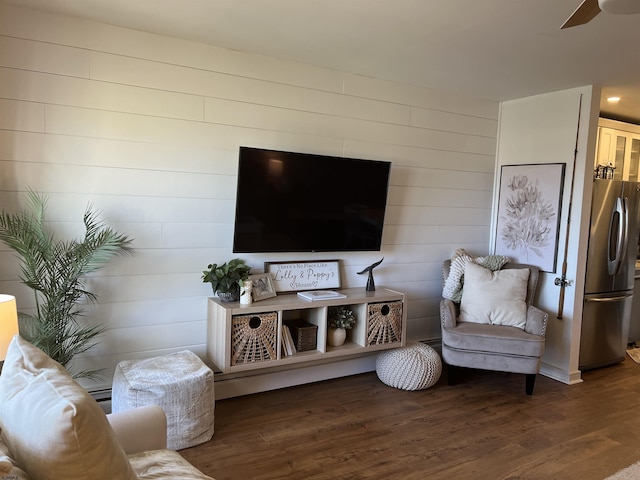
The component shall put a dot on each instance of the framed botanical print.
(529, 205)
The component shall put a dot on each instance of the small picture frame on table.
(262, 286)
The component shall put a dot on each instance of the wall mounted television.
(299, 202)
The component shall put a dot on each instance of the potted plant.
(55, 270)
(340, 319)
(225, 279)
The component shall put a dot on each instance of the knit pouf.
(180, 383)
(414, 367)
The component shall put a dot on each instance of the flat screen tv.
(297, 202)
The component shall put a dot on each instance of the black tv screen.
(297, 202)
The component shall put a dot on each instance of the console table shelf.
(249, 337)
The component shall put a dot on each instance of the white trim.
(560, 375)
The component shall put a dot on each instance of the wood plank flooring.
(485, 427)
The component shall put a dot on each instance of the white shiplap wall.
(147, 129)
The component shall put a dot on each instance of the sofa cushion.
(53, 428)
(154, 464)
(473, 337)
(496, 298)
(9, 469)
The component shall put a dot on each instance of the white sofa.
(52, 429)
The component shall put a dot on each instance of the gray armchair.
(494, 347)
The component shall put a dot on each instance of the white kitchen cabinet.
(619, 145)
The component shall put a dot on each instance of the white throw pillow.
(54, 429)
(496, 298)
(452, 288)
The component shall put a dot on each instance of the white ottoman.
(414, 367)
(180, 383)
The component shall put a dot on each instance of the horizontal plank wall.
(147, 129)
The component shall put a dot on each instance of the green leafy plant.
(341, 317)
(226, 278)
(55, 271)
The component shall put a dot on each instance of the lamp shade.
(620, 7)
(8, 322)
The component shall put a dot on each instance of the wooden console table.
(248, 338)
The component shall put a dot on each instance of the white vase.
(336, 336)
(245, 292)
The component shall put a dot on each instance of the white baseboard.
(560, 375)
(229, 386)
(256, 381)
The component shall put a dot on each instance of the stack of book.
(287, 342)
(315, 295)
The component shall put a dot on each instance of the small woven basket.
(254, 338)
(304, 334)
(384, 323)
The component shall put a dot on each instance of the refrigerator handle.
(617, 298)
(625, 237)
(619, 218)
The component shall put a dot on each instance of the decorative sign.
(298, 276)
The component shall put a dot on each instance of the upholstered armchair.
(495, 326)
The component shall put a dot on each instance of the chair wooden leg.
(530, 382)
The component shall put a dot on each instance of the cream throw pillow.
(496, 298)
(53, 428)
(452, 288)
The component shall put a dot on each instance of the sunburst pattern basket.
(384, 323)
(254, 338)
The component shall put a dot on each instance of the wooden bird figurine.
(371, 286)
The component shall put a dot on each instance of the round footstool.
(180, 383)
(414, 367)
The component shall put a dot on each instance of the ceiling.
(494, 49)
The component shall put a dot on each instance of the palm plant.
(55, 271)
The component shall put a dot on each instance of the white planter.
(336, 336)
(245, 292)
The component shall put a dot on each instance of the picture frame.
(262, 286)
(529, 211)
(297, 276)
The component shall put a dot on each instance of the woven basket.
(384, 323)
(254, 338)
(304, 334)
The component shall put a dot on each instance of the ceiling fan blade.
(583, 14)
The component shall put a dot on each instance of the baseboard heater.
(103, 396)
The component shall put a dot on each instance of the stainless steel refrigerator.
(611, 261)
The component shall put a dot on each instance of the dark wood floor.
(483, 428)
